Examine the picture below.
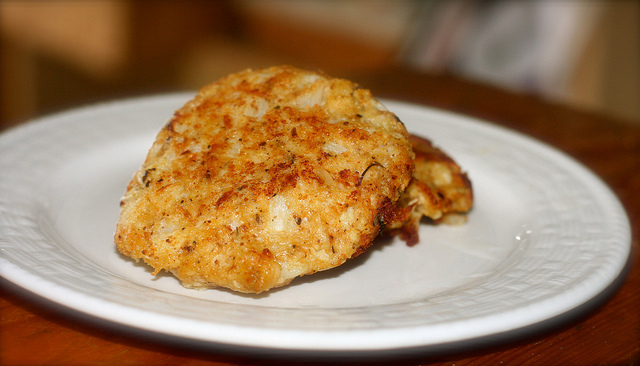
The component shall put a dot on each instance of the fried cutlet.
(266, 175)
(439, 190)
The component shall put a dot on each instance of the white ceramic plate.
(545, 236)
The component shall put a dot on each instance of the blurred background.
(62, 54)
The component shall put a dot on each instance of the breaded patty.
(264, 176)
(439, 190)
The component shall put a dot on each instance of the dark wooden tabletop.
(33, 331)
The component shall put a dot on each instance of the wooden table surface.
(34, 331)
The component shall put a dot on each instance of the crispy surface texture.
(264, 176)
(439, 190)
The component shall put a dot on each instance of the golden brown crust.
(438, 190)
(264, 176)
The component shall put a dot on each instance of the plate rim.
(57, 293)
